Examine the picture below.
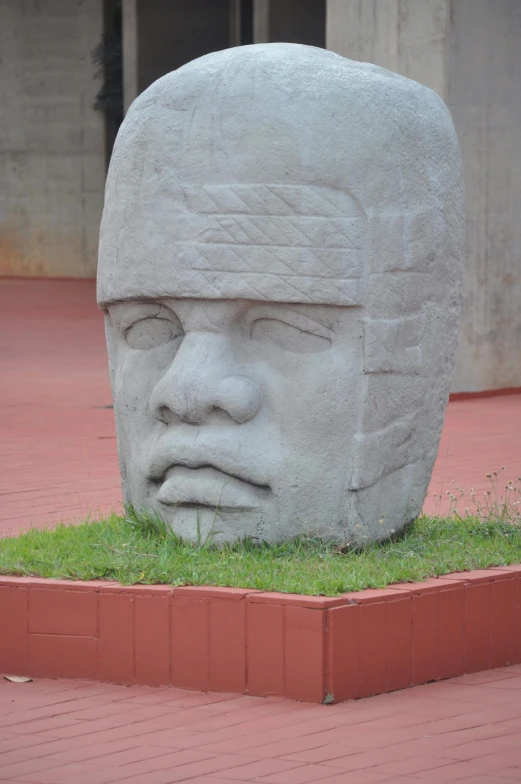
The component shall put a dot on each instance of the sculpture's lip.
(207, 485)
(199, 452)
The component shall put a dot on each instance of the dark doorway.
(108, 56)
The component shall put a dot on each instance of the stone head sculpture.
(280, 256)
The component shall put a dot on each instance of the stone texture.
(280, 257)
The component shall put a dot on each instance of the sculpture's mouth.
(209, 486)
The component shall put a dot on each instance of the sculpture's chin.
(200, 523)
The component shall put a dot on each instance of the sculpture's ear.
(384, 451)
(393, 501)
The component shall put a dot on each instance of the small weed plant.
(499, 502)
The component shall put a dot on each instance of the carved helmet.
(311, 178)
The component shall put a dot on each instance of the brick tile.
(283, 748)
(297, 600)
(159, 777)
(511, 774)
(51, 723)
(127, 756)
(74, 728)
(109, 733)
(481, 747)
(148, 771)
(214, 592)
(370, 758)
(255, 770)
(459, 770)
(411, 765)
(13, 742)
(373, 649)
(227, 658)
(150, 716)
(325, 753)
(483, 677)
(190, 637)
(503, 611)
(399, 644)
(96, 749)
(304, 643)
(362, 777)
(13, 630)
(17, 755)
(306, 774)
(58, 656)
(208, 767)
(431, 585)
(477, 628)
(157, 695)
(151, 640)
(52, 748)
(498, 778)
(103, 709)
(116, 637)
(425, 609)
(343, 641)
(265, 648)
(514, 682)
(64, 612)
(451, 632)
(58, 774)
(19, 769)
(506, 758)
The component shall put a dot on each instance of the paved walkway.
(58, 450)
(58, 462)
(466, 730)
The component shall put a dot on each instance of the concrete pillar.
(406, 36)
(161, 35)
(291, 21)
(130, 52)
(469, 52)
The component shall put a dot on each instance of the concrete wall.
(469, 51)
(484, 95)
(52, 167)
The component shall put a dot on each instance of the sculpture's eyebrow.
(298, 318)
(125, 312)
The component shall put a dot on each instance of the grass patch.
(124, 550)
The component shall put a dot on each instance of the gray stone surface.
(280, 260)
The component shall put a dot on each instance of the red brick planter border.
(252, 642)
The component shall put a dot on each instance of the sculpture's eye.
(152, 332)
(288, 337)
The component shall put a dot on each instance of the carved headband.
(282, 243)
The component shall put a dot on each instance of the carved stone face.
(235, 414)
(280, 258)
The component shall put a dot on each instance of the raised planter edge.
(254, 642)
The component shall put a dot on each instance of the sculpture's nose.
(203, 383)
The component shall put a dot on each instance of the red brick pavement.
(59, 463)
(58, 455)
(466, 730)
(58, 448)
